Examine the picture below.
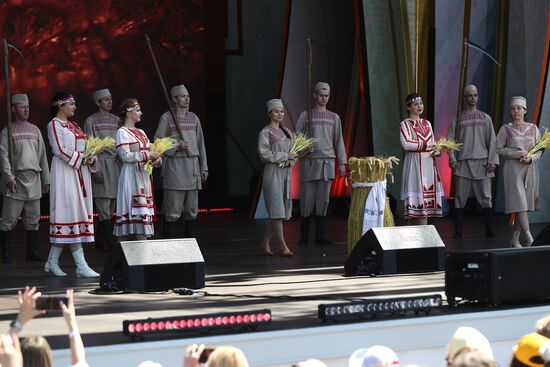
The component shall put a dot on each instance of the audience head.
(375, 356)
(36, 352)
(472, 358)
(465, 339)
(543, 326)
(527, 351)
(227, 357)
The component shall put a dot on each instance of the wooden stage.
(238, 278)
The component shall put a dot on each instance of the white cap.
(273, 103)
(470, 88)
(518, 101)
(545, 351)
(149, 364)
(468, 337)
(310, 363)
(19, 98)
(177, 90)
(102, 93)
(322, 85)
(375, 356)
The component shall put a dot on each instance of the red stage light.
(204, 322)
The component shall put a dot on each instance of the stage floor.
(238, 278)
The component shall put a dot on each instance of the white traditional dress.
(71, 210)
(135, 204)
(273, 148)
(521, 181)
(421, 187)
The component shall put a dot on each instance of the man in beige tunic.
(25, 181)
(474, 165)
(317, 169)
(104, 124)
(184, 168)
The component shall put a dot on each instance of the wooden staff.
(8, 104)
(171, 108)
(461, 85)
(309, 61)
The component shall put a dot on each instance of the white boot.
(52, 265)
(529, 239)
(514, 242)
(82, 268)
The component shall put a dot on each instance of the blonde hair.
(227, 357)
(543, 326)
(36, 352)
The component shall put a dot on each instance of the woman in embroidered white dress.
(135, 203)
(274, 144)
(520, 173)
(71, 221)
(135, 206)
(421, 187)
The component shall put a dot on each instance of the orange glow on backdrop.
(81, 46)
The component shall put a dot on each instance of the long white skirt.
(134, 204)
(71, 209)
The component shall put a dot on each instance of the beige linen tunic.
(107, 164)
(273, 148)
(326, 126)
(477, 135)
(30, 169)
(521, 181)
(421, 187)
(181, 169)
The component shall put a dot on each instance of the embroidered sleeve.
(265, 152)
(60, 147)
(123, 142)
(408, 141)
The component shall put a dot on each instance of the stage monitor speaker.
(543, 238)
(164, 264)
(392, 250)
(498, 275)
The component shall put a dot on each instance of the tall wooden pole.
(8, 104)
(170, 106)
(309, 61)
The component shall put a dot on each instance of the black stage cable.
(189, 292)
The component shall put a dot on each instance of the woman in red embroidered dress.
(519, 170)
(71, 221)
(134, 207)
(421, 187)
(135, 203)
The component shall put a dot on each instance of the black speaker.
(164, 264)
(543, 238)
(392, 250)
(498, 275)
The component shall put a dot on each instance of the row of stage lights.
(250, 320)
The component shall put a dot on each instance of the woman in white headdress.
(520, 172)
(274, 149)
(421, 187)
